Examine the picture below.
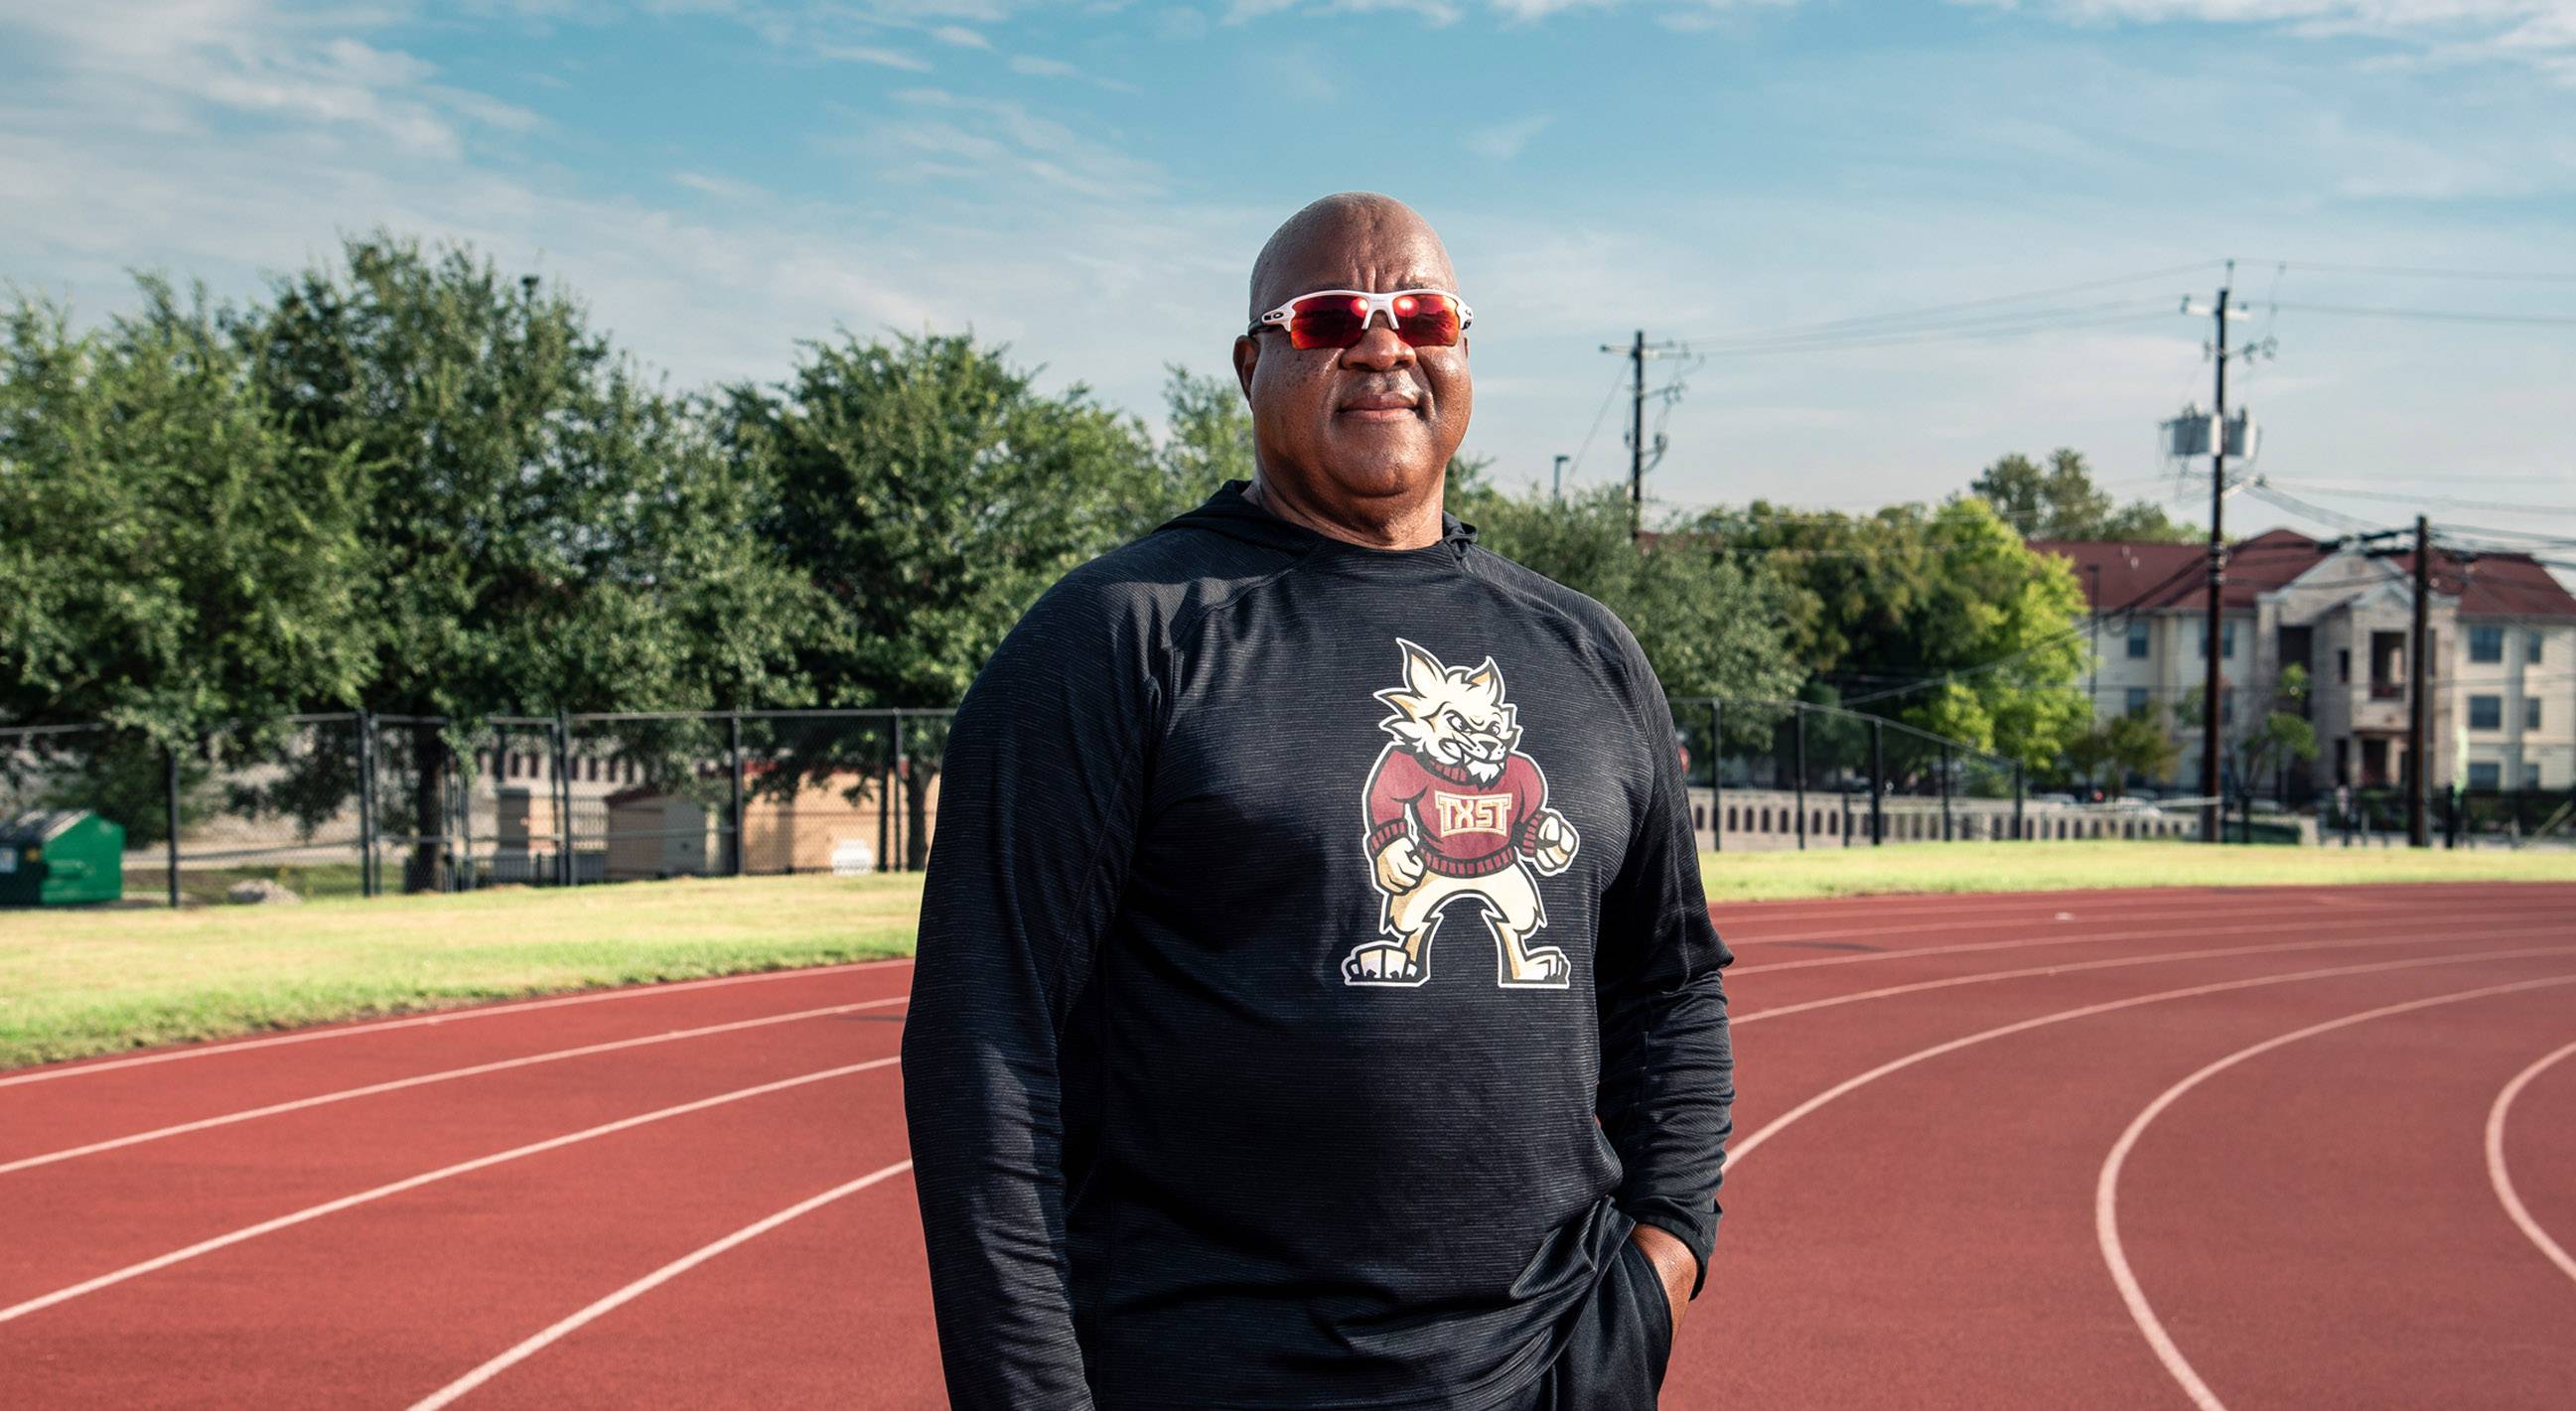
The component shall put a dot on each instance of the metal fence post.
(366, 803)
(1877, 786)
(733, 854)
(1716, 775)
(563, 799)
(2019, 831)
(170, 799)
(1945, 791)
(1798, 758)
(1845, 791)
(902, 786)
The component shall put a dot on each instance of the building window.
(2531, 774)
(2226, 638)
(2137, 702)
(2531, 712)
(2531, 646)
(2137, 639)
(2227, 707)
(2343, 665)
(2486, 645)
(2485, 774)
(2486, 712)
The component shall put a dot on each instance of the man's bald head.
(1359, 435)
(1323, 241)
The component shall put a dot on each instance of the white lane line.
(329, 1207)
(2173, 932)
(2106, 1187)
(1982, 977)
(645, 1285)
(2503, 1179)
(1782, 1122)
(2285, 909)
(83, 1069)
(442, 1076)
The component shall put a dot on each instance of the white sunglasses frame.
(1377, 304)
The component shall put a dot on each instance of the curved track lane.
(1921, 1237)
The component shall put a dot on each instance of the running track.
(2250, 1148)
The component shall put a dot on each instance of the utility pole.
(2212, 645)
(2419, 706)
(2093, 692)
(1637, 438)
(1560, 477)
(1637, 352)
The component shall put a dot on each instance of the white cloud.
(175, 66)
(960, 36)
(871, 54)
(1503, 141)
(1035, 67)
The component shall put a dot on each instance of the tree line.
(403, 480)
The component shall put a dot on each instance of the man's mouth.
(1381, 406)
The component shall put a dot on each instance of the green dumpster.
(60, 857)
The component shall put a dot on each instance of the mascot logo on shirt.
(1456, 811)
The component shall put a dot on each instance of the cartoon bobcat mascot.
(1456, 810)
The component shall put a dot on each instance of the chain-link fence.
(363, 804)
(2465, 818)
(1793, 774)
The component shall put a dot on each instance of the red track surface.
(2300, 1086)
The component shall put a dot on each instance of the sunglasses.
(1339, 318)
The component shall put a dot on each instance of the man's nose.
(1378, 349)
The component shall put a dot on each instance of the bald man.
(1317, 1005)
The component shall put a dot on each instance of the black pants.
(1614, 1360)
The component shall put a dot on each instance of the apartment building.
(2502, 660)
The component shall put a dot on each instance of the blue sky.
(1089, 182)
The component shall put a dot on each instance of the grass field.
(77, 983)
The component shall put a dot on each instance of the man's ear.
(1247, 353)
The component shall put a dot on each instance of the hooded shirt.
(1315, 984)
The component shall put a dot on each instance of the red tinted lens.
(1427, 320)
(1327, 321)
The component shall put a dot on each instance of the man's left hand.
(1674, 1262)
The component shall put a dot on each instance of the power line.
(2427, 273)
(2036, 321)
(1934, 310)
(2437, 315)
(2441, 501)
(1577, 467)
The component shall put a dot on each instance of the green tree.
(1705, 623)
(2060, 501)
(1943, 618)
(2119, 748)
(1207, 442)
(168, 559)
(929, 493)
(2283, 735)
(542, 529)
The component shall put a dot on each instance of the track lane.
(65, 1223)
(384, 1302)
(2542, 1152)
(832, 1310)
(2376, 1120)
(1926, 1239)
(118, 1101)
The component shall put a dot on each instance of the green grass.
(2048, 867)
(79, 982)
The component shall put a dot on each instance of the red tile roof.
(2171, 575)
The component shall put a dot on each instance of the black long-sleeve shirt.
(1296, 910)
